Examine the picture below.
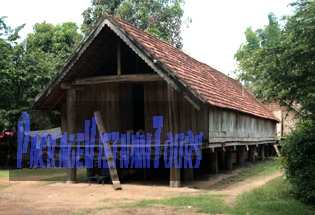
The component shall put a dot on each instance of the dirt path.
(234, 189)
(36, 197)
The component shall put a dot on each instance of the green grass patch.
(81, 174)
(4, 173)
(274, 198)
(267, 167)
(203, 203)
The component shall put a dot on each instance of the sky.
(213, 37)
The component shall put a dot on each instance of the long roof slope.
(204, 82)
(211, 85)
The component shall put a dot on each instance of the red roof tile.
(211, 85)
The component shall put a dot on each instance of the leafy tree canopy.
(27, 66)
(277, 61)
(161, 18)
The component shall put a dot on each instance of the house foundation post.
(214, 169)
(240, 156)
(228, 159)
(252, 150)
(173, 125)
(71, 124)
(267, 151)
(262, 152)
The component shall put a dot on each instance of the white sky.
(213, 37)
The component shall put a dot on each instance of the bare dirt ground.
(40, 197)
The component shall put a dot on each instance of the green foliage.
(298, 153)
(27, 66)
(161, 18)
(278, 61)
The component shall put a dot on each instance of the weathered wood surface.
(118, 78)
(71, 127)
(173, 125)
(109, 154)
(231, 126)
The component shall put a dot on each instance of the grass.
(57, 174)
(274, 198)
(4, 173)
(81, 173)
(260, 169)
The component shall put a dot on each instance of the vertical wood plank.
(71, 126)
(118, 57)
(173, 124)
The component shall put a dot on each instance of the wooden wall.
(102, 97)
(115, 101)
(156, 104)
(232, 126)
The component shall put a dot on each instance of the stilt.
(228, 159)
(252, 150)
(267, 151)
(173, 125)
(214, 162)
(262, 152)
(71, 123)
(240, 156)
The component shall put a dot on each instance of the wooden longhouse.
(131, 76)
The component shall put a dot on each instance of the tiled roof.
(211, 85)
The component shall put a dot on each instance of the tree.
(251, 69)
(282, 67)
(161, 18)
(27, 66)
(282, 63)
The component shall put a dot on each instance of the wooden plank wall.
(102, 97)
(156, 104)
(115, 103)
(229, 126)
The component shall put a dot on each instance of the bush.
(298, 154)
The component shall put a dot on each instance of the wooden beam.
(67, 86)
(71, 124)
(118, 58)
(173, 125)
(109, 153)
(116, 78)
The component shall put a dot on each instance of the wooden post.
(173, 125)
(252, 150)
(228, 159)
(267, 151)
(262, 152)
(118, 58)
(109, 156)
(240, 156)
(214, 162)
(71, 124)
